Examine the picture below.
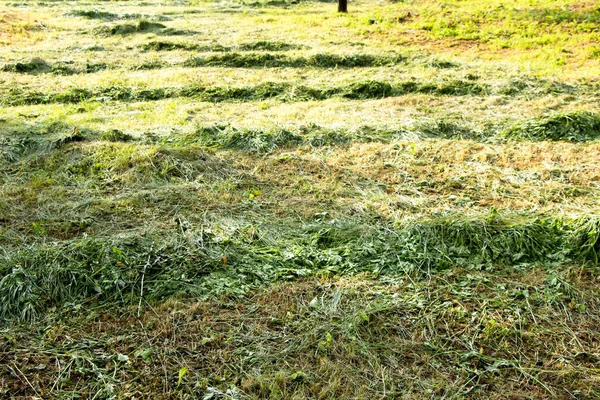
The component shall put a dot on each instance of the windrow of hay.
(260, 45)
(141, 26)
(268, 90)
(228, 60)
(575, 126)
(27, 139)
(285, 91)
(203, 263)
(268, 60)
(109, 16)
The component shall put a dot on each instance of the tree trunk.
(343, 6)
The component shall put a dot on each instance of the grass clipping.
(579, 126)
(38, 278)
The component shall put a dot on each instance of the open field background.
(265, 199)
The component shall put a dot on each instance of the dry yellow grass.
(18, 27)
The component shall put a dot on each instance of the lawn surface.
(268, 199)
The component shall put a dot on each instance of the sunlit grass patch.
(16, 25)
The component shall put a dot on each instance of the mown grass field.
(268, 199)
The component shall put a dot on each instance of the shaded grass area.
(462, 331)
(111, 270)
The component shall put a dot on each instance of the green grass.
(228, 60)
(94, 14)
(264, 91)
(246, 200)
(189, 263)
(249, 60)
(142, 26)
(34, 65)
(352, 339)
(577, 126)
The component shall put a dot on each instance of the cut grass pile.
(40, 66)
(269, 90)
(267, 60)
(261, 86)
(34, 65)
(113, 270)
(31, 140)
(141, 26)
(110, 16)
(95, 14)
(266, 141)
(576, 126)
(267, 45)
(161, 45)
(229, 60)
(261, 45)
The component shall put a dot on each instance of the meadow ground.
(268, 199)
